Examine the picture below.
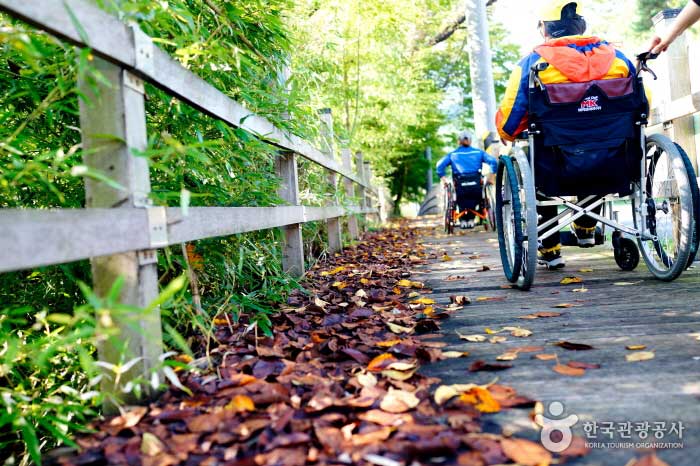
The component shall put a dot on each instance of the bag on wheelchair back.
(589, 140)
(469, 190)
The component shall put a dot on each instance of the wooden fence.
(120, 230)
(675, 105)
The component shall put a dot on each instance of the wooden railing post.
(293, 246)
(674, 75)
(113, 124)
(353, 229)
(362, 191)
(335, 241)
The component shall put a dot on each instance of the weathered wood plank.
(117, 108)
(32, 238)
(353, 228)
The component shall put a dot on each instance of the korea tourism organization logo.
(590, 104)
(556, 435)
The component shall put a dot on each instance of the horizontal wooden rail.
(32, 238)
(675, 109)
(129, 47)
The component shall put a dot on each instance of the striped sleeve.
(511, 118)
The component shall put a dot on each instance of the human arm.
(686, 18)
(442, 166)
(511, 118)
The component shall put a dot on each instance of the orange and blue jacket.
(571, 59)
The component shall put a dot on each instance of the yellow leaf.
(569, 280)
(489, 331)
(405, 283)
(367, 380)
(388, 343)
(423, 301)
(333, 272)
(445, 258)
(241, 403)
(339, 285)
(635, 347)
(413, 294)
(396, 290)
(402, 366)
(364, 281)
(585, 270)
(640, 356)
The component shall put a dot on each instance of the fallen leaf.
(423, 301)
(455, 354)
(508, 356)
(339, 285)
(484, 268)
(398, 328)
(529, 349)
(472, 338)
(585, 270)
(635, 347)
(398, 375)
(460, 300)
(571, 279)
(566, 305)
(388, 343)
(625, 283)
(573, 346)
(380, 362)
(151, 445)
(541, 314)
(367, 380)
(583, 365)
(640, 356)
(241, 403)
(398, 401)
(518, 331)
(481, 399)
(490, 298)
(526, 452)
(580, 290)
(484, 366)
(497, 339)
(333, 272)
(445, 258)
(568, 370)
(546, 356)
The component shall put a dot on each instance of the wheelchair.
(587, 150)
(481, 192)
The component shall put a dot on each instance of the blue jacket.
(465, 160)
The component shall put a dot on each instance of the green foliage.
(646, 9)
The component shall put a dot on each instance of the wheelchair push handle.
(642, 59)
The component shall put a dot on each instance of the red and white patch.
(590, 104)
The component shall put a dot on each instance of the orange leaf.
(241, 403)
(380, 362)
(481, 399)
(388, 343)
(568, 370)
(546, 356)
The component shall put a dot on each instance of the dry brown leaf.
(398, 401)
(151, 445)
(529, 349)
(398, 375)
(481, 399)
(566, 305)
(497, 339)
(541, 314)
(472, 338)
(568, 370)
(455, 354)
(546, 356)
(518, 331)
(640, 356)
(573, 346)
(367, 380)
(525, 452)
(398, 328)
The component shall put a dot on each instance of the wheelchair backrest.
(587, 135)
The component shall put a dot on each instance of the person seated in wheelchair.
(466, 162)
(566, 56)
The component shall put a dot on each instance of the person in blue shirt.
(466, 162)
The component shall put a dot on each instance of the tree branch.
(451, 28)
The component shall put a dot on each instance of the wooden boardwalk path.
(618, 309)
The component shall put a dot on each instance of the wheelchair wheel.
(490, 201)
(695, 191)
(449, 210)
(626, 252)
(668, 209)
(516, 219)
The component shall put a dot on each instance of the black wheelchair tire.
(626, 254)
(695, 191)
(511, 270)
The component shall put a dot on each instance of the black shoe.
(585, 236)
